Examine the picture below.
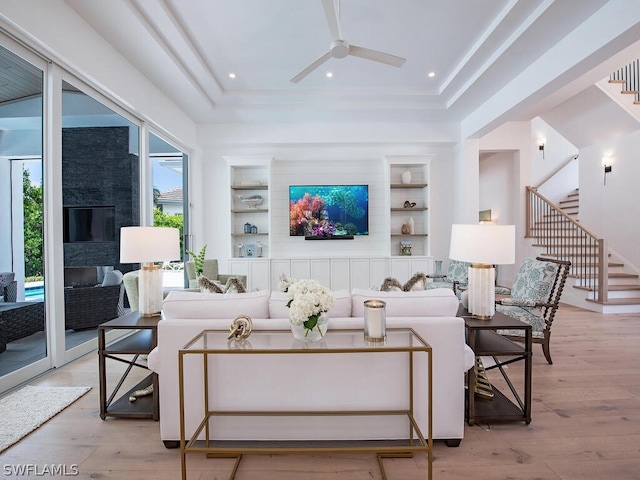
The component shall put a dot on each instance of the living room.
(497, 142)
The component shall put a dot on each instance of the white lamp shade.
(149, 244)
(486, 244)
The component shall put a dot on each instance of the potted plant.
(198, 260)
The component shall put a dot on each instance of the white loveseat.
(240, 382)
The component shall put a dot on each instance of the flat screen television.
(328, 210)
(90, 224)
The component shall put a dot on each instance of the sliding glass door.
(24, 348)
(100, 194)
(169, 173)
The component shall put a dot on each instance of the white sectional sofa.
(240, 382)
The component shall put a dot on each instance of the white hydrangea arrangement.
(308, 299)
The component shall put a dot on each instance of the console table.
(211, 343)
(127, 350)
(483, 339)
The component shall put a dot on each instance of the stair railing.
(628, 75)
(565, 239)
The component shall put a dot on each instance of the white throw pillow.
(439, 302)
(112, 277)
(181, 304)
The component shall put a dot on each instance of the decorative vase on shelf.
(312, 330)
(438, 277)
(406, 177)
(412, 227)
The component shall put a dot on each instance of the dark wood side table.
(128, 350)
(483, 339)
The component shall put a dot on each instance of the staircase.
(629, 78)
(598, 285)
(571, 204)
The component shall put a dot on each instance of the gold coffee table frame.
(214, 342)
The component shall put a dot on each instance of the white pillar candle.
(374, 320)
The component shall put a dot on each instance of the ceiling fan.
(340, 48)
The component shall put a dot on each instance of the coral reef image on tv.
(328, 210)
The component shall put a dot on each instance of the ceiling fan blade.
(311, 67)
(332, 19)
(376, 56)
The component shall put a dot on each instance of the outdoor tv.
(89, 224)
(328, 211)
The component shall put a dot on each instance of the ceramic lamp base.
(482, 290)
(150, 294)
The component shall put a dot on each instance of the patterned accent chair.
(534, 299)
(456, 278)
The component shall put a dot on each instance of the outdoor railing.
(565, 239)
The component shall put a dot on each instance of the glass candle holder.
(375, 319)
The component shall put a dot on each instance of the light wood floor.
(586, 425)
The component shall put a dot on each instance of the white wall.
(612, 211)
(317, 154)
(557, 152)
(512, 140)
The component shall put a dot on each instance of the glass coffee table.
(212, 344)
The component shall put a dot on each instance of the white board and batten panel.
(335, 273)
(359, 272)
(403, 268)
(279, 267)
(257, 272)
(380, 268)
(259, 269)
(301, 268)
(340, 271)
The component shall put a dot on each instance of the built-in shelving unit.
(409, 201)
(249, 224)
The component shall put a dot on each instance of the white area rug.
(28, 408)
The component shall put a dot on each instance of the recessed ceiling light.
(431, 74)
(329, 75)
(232, 75)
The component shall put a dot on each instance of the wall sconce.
(541, 143)
(606, 163)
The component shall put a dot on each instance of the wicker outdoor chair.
(19, 320)
(10, 292)
(534, 299)
(88, 307)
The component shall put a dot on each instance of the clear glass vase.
(304, 334)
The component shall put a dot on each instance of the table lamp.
(483, 246)
(146, 245)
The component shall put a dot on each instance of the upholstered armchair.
(456, 278)
(534, 298)
(210, 270)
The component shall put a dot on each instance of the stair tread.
(611, 288)
(611, 275)
(617, 301)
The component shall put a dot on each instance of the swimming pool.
(34, 291)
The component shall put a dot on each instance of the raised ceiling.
(474, 47)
